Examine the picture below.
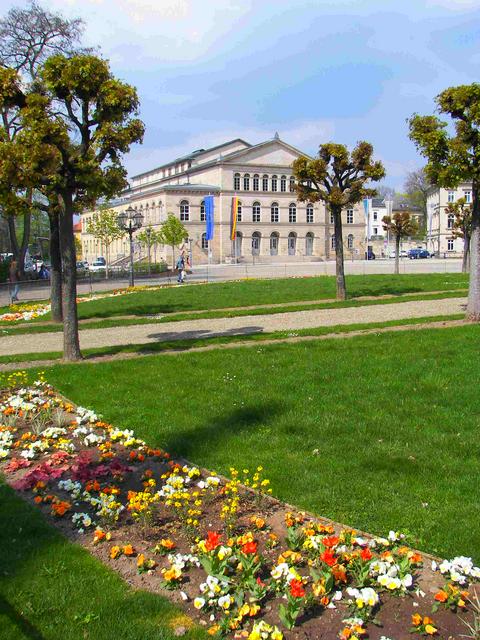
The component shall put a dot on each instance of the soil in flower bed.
(164, 525)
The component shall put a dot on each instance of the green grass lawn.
(53, 589)
(254, 292)
(379, 432)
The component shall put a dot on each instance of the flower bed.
(242, 563)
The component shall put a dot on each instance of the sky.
(314, 71)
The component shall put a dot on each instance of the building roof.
(191, 156)
(186, 186)
(378, 202)
(77, 228)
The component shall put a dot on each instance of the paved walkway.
(190, 329)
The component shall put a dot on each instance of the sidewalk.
(190, 329)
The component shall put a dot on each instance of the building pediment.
(270, 153)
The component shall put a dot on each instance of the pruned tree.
(27, 37)
(417, 187)
(338, 178)
(75, 129)
(104, 227)
(173, 233)
(401, 225)
(462, 226)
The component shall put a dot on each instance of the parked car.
(98, 265)
(403, 254)
(82, 270)
(416, 254)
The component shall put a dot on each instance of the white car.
(98, 265)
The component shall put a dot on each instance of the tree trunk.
(71, 343)
(466, 251)
(397, 254)
(107, 258)
(56, 267)
(173, 257)
(339, 265)
(473, 306)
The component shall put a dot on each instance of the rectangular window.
(375, 215)
(310, 215)
(236, 183)
(331, 218)
(283, 184)
(468, 196)
(203, 216)
(255, 183)
(246, 182)
(375, 231)
(274, 183)
(256, 213)
(451, 196)
(349, 216)
(239, 212)
(292, 215)
(265, 183)
(292, 185)
(450, 244)
(274, 214)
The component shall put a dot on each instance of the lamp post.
(190, 251)
(130, 221)
(148, 231)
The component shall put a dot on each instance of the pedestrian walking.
(180, 268)
(13, 278)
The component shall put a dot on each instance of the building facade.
(271, 224)
(440, 238)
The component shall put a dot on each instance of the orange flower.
(212, 541)
(296, 588)
(166, 543)
(60, 508)
(98, 536)
(441, 596)
(324, 601)
(115, 552)
(128, 550)
(366, 554)
(416, 619)
(330, 541)
(339, 573)
(38, 499)
(249, 548)
(328, 556)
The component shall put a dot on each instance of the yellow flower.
(430, 629)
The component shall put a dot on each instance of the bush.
(3, 271)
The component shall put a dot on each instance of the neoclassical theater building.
(271, 224)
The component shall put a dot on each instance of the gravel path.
(188, 329)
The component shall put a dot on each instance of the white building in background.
(271, 224)
(440, 238)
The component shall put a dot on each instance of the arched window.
(184, 210)
(309, 244)
(292, 212)
(204, 241)
(256, 182)
(274, 216)
(350, 241)
(450, 221)
(256, 211)
(239, 211)
(333, 243)
(203, 215)
(265, 183)
(292, 184)
(256, 239)
(283, 184)
(274, 243)
(292, 243)
(310, 213)
(274, 183)
(236, 182)
(246, 182)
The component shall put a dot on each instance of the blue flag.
(209, 207)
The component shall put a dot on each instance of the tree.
(149, 238)
(417, 187)
(27, 37)
(462, 226)
(75, 129)
(104, 227)
(385, 192)
(452, 159)
(172, 232)
(400, 225)
(337, 178)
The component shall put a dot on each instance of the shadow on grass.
(220, 428)
(19, 621)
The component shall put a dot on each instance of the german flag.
(234, 218)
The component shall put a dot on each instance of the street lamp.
(148, 231)
(130, 221)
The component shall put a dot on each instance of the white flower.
(199, 603)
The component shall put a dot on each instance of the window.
(292, 184)
(184, 210)
(204, 241)
(256, 181)
(292, 243)
(375, 215)
(309, 213)
(203, 215)
(236, 182)
(246, 182)
(332, 220)
(309, 244)
(375, 231)
(256, 238)
(450, 244)
(333, 243)
(350, 241)
(450, 221)
(274, 244)
(292, 212)
(265, 183)
(451, 196)
(274, 183)
(256, 212)
(349, 216)
(274, 217)
(468, 196)
(283, 184)
(239, 211)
